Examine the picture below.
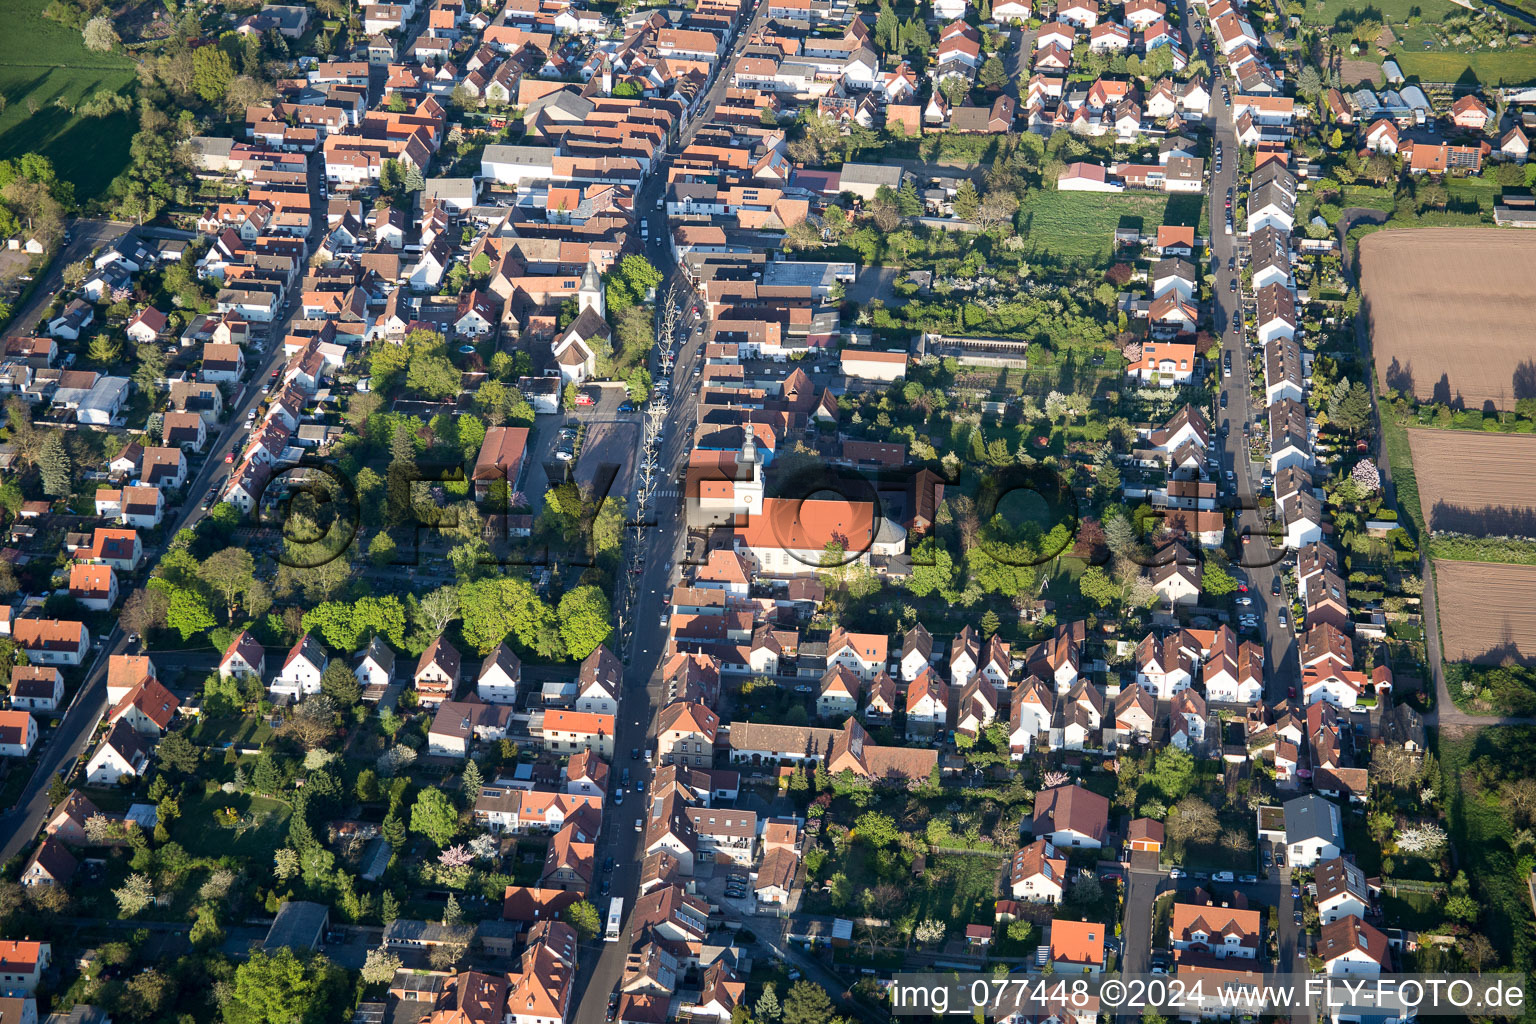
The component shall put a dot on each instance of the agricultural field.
(1449, 313)
(43, 63)
(1489, 67)
(1487, 611)
(1081, 225)
(1478, 484)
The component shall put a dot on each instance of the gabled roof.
(1071, 807)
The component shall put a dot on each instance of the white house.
(123, 754)
(1342, 890)
(18, 733)
(1313, 831)
(1350, 947)
(1036, 874)
(499, 676)
(302, 669)
(244, 657)
(375, 666)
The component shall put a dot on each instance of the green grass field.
(42, 61)
(1081, 225)
(1512, 67)
(1329, 12)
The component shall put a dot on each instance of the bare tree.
(1193, 821)
(1397, 768)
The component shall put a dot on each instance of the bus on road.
(615, 919)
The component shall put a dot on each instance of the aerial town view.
(767, 511)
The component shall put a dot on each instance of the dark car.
(1223, 399)
(626, 407)
(607, 865)
(1231, 263)
(634, 753)
(1232, 285)
(1274, 586)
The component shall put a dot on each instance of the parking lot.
(609, 440)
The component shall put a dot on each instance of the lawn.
(202, 836)
(42, 61)
(242, 730)
(959, 889)
(1510, 67)
(1417, 910)
(1329, 12)
(1081, 225)
(1481, 832)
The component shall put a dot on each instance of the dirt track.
(1481, 484)
(1450, 313)
(1487, 611)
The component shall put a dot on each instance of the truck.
(615, 919)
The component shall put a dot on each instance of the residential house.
(437, 673)
(302, 668)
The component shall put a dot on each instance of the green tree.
(1173, 771)
(338, 683)
(1097, 587)
(767, 1009)
(876, 829)
(933, 570)
(1216, 581)
(807, 1003)
(434, 816)
(584, 620)
(583, 917)
(231, 574)
(104, 350)
(471, 781)
(993, 74)
(393, 831)
(280, 988)
(54, 463)
(178, 754)
(150, 371)
(212, 71)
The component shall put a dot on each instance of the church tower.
(590, 294)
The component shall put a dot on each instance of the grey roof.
(299, 926)
(1271, 247)
(207, 145)
(1312, 817)
(526, 156)
(461, 189)
(871, 174)
(1274, 173)
(106, 394)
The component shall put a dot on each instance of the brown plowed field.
(1487, 611)
(1481, 484)
(1451, 312)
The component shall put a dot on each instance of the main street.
(658, 545)
(1257, 559)
(20, 822)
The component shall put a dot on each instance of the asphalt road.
(20, 823)
(658, 545)
(87, 234)
(1258, 559)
